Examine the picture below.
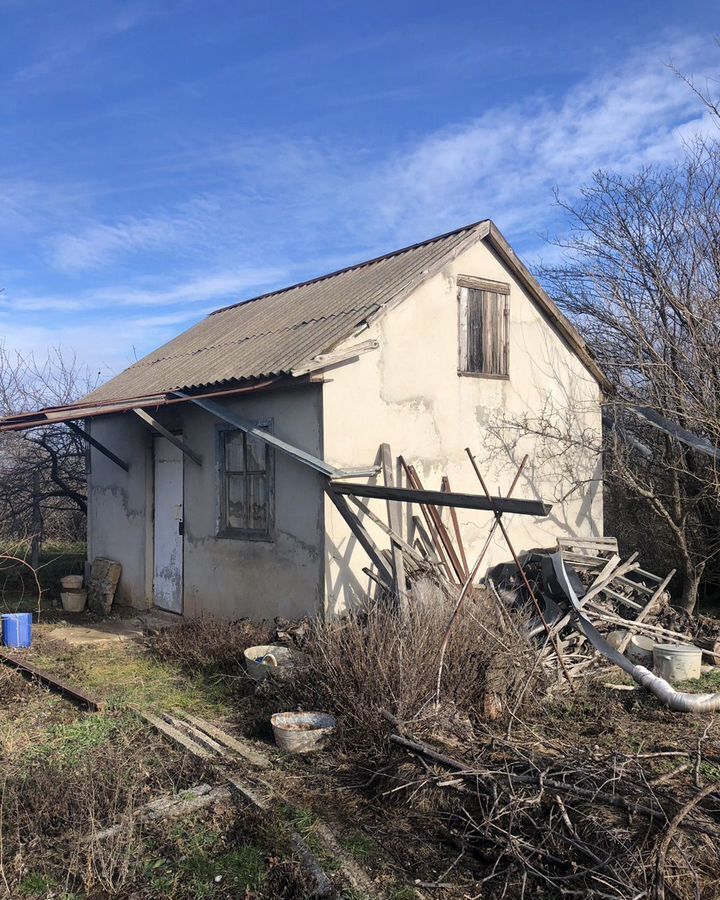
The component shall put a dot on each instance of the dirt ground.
(66, 774)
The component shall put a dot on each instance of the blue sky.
(161, 159)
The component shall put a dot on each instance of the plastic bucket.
(17, 629)
(677, 662)
(640, 651)
(73, 601)
(302, 732)
(262, 660)
(71, 582)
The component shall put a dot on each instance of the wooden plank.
(609, 542)
(232, 743)
(168, 435)
(51, 681)
(363, 538)
(440, 531)
(621, 598)
(439, 498)
(366, 511)
(175, 735)
(101, 448)
(600, 585)
(195, 734)
(424, 540)
(324, 360)
(394, 510)
(647, 609)
(445, 487)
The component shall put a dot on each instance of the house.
(447, 344)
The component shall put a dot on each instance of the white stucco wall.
(409, 394)
(230, 578)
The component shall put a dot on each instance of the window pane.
(256, 454)
(475, 354)
(236, 513)
(257, 502)
(486, 332)
(234, 460)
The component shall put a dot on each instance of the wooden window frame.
(465, 282)
(222, 529)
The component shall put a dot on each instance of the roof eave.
(561, 324)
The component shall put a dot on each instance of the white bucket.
(640, 651)
(615, 638)
(261, 660)
(677, 662)
(302, 732)
(73, 601)
(72, 582)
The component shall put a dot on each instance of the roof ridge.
(350, 268)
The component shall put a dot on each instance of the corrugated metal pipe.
(679, 701)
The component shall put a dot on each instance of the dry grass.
(370, 662)
(53, 802)
(210, 646)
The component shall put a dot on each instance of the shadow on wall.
(343, 589)
(563, 439)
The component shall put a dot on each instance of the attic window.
(246, 495)
(484, 316)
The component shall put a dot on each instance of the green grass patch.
(68, 743)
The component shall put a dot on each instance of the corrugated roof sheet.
(277, 332)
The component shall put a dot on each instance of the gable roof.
(260, 342)
(277, 332)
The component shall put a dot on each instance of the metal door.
(168, 567)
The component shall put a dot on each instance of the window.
(484, 314)
(246, 485)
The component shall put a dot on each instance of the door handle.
(181, 527)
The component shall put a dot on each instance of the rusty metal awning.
(55, 415)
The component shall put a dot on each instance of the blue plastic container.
(17, 629)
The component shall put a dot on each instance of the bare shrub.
(52, 808)
(370, 662)
(210, 645)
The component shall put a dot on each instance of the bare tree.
(42, 471)
(641, 278)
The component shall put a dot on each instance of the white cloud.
(505, 163)
(225, 287)
(94, 246)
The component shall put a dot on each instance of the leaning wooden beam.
(440, 498)
(55, 684)
(101, 448)
(302, 456)
(445, 487)
(436, 524)
(395, 519)
(366, 511)
(363, 538)
(168, 435)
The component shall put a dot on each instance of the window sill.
(230, 534)
(483, 375)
